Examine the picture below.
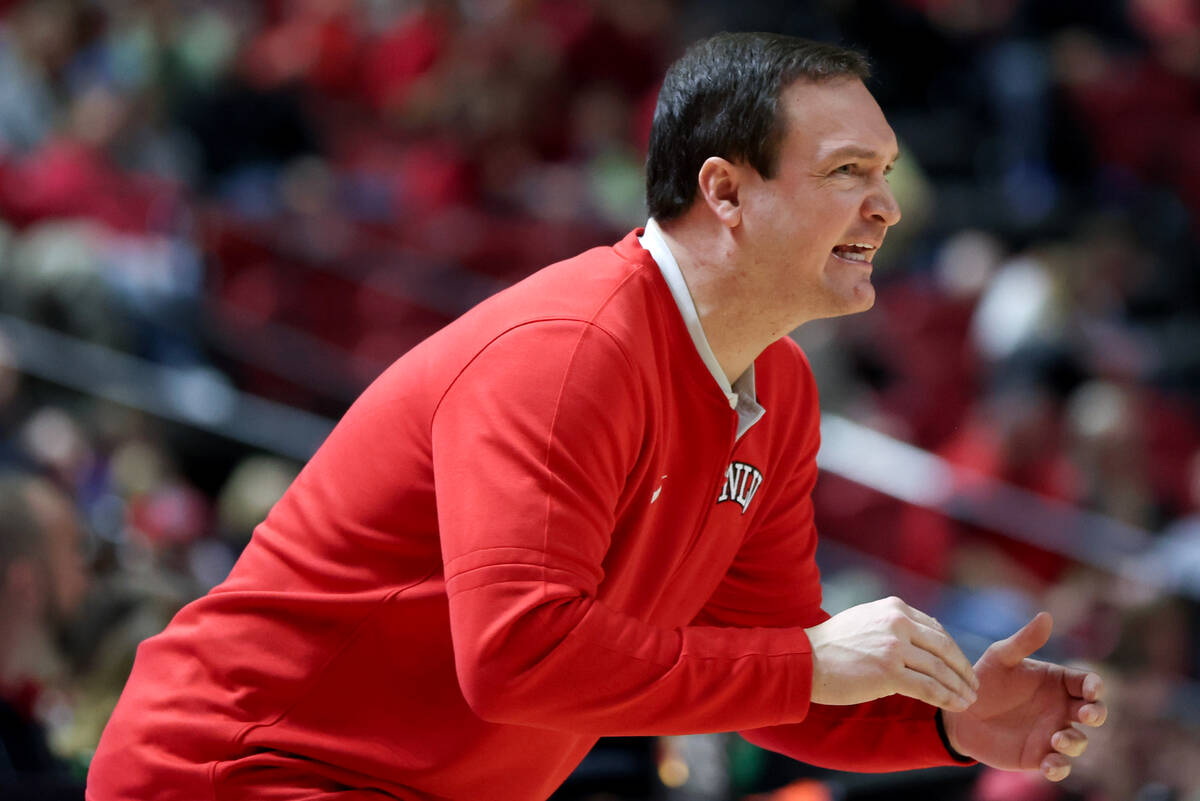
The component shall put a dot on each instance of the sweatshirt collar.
(741, 393)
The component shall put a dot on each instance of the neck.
(738, 329)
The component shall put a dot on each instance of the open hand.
(1028, 712)
(887, 647)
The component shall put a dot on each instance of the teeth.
(855, 251)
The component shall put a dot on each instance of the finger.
(946, 650)
(1055, 767)
(1032, 636)
(1088, 713)
(927, 689)
(923, 661)
(1069, 742)
(1083, 684)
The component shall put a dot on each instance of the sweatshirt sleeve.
(532, 446)
(774, 581)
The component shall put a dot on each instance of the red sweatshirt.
(534, 529)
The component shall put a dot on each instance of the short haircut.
(721, 98)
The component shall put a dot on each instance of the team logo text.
(741, 482)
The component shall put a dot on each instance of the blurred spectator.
(42, 582)
(292, 193)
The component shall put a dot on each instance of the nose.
(880, 205)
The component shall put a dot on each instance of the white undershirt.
(741, 393)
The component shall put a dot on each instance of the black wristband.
(941, 728)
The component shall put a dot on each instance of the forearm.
(892, 733)
(554, 659)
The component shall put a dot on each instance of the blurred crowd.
(291, 193)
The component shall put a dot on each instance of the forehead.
(830, 115)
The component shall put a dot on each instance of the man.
(42, 581)
(559, 519)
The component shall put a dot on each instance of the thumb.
(1032, 636)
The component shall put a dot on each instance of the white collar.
(741, 393)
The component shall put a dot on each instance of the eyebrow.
(856, 152)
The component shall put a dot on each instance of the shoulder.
(584, 321)
(551, 364)
(550, 346)
(544, 387)
(612, 286)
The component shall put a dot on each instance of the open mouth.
(858, 251)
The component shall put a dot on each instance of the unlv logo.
(741, 482)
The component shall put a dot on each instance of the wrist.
(945, 725)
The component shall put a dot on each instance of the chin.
(865, 297)
(858, 299)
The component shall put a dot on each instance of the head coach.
(583, 509)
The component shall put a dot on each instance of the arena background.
(220, 220)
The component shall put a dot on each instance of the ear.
(719, 183)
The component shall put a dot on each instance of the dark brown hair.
(721, 98)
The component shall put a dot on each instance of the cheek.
(841, 211)
(802, 226)
(826, 223)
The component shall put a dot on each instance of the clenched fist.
(887, 647)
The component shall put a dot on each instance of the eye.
(846, 169)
